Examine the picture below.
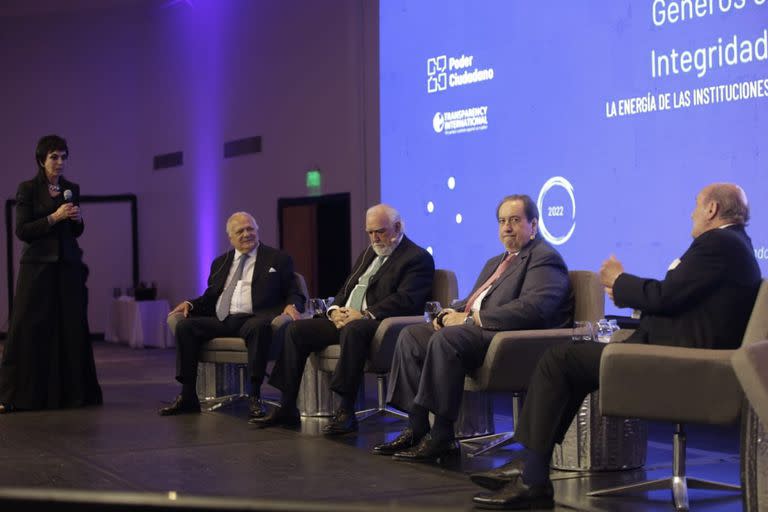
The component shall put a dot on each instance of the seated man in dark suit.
(526, 287)
(392, 277)
(247, 288)
(704, 301)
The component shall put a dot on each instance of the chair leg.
(499, 440)
(381, 408)
(678, 483)
(214, 403)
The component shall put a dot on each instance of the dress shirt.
(241, 298)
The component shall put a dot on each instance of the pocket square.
(272, 269)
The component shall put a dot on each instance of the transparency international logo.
(464, 120)
(444, 72)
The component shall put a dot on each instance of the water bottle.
(603, 331)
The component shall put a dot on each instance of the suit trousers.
(563, 378)
(306, 336)
(193, 332)
(429, 366)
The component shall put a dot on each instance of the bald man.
(247, 288)
(704, 301)
(392, 277)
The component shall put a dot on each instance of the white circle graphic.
(430, 207)
(459, 218)
(557, 181)
(438, 122)
(451, 183)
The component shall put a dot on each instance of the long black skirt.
(48, 358)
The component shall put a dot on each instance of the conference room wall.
(124, 84)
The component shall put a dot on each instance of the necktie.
(222, 310)
(503, 266)
(358, 292)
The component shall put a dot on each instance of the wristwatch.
(470, 320)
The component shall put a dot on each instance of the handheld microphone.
(67, 196)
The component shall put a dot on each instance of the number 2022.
(555, 211)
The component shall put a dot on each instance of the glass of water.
(603, 331)
(317, 308)
(582, 331)
(431, 310)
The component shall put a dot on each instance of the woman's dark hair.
(46, 145)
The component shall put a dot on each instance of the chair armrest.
(750, 363)
(669, 384)
(173, 320)
(621, 335)
(385, 339)
(511, 358)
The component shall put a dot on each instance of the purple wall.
(127, 83)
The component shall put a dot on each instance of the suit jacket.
(533, 293)
(705, 302)
(400, 287)
(45, 243)
(270, 291)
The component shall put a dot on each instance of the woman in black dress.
(48, 359)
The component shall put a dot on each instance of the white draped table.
(138, 323)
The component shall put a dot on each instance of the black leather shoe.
(402, 442)
(256, 407)
(495, 479)
(429, 450)
(179, 406)
(343, 422)
(6, 408)
(279, 417)
(516, 495)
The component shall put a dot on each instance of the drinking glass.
(431, 309)
(317, 308)
(582, 331)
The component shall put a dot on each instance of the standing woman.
(48, 359)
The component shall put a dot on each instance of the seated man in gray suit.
(526, 287)
(392, 277)
(247, 288)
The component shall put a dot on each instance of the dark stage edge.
(123, 456)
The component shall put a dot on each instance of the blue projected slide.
(612, 114)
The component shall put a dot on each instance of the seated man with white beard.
(392, 277)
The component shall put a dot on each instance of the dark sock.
(419, 420)
(287, 404)
(347, 402)
(536, 469)
(189, 396)
(442, 429)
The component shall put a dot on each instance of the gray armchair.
(750, 363)
(444, 289)
(688, 385)
(232, 351)
(513, 355)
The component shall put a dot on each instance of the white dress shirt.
(241, 298)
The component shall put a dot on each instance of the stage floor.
(124, 446)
